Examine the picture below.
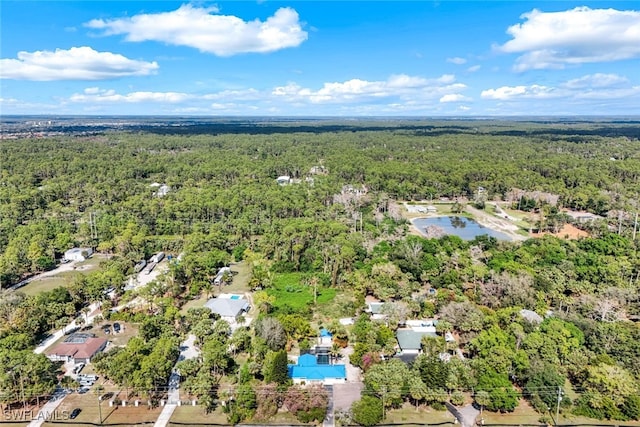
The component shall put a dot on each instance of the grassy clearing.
(91, 409)
(525, 414)
(128, 331)
(196, 303)
(49, 283)
(64, 278)
(424, 415)
(241, 275)
(289, 290)
(193, 415)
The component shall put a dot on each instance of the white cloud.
(77, 63)
(238, 95)
(96, 95)
(576, 36)
(506, 93)
(399, 86)
(457, 60)
(455, 97)
(197, 27)
(474, 68)
(593, 86)
(597, 80)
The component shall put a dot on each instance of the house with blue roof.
(309, 371)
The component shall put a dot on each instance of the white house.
(77, 254)
(228, 309)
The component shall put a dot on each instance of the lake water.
(465, 228)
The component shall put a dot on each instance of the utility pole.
(100, 408)
(558, 404)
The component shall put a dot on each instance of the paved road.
(48, 409)
(188, 350)
(329, 420)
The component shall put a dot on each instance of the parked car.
(74, 413)
(78, 368)
(83, 390)
(87, 377)
(116, 328)
(107, 329)
(86, 383)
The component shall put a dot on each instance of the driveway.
(345, 394)
(188, 350)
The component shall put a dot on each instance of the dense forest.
(335, 226)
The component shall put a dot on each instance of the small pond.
(465, 228)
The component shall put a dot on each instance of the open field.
(193, 415)
(289, 290)
(61, 276)
(524, 414)
(196, 303)
(92, 409)
(241, 275)
(424, 415)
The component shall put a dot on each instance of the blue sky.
(320, 58)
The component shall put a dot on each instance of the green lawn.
(423, 416)
(194, 415)
(49, 283)
(64, 278)
(196, 303)
(525, 414)
(289, 290)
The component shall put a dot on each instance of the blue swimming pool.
(235, 297)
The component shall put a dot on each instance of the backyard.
(292, 292)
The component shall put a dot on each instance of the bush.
(631, 407)
(457, 398)
(367, 411)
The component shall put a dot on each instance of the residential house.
(309, 371)
(228, 307)
(410, 340)
(375, 309)
(77, 348)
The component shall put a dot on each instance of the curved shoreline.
(509, 232)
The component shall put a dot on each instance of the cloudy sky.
(320, 58)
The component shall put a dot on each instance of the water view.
(465, 228)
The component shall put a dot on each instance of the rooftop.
(409, 339)
(78, 350)
(227, 307)
(309, 369)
